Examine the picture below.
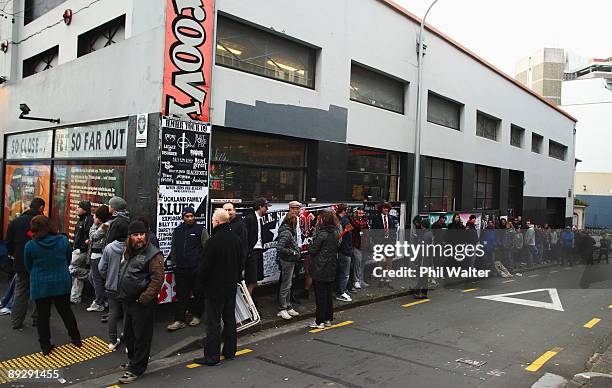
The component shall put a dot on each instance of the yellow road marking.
(61, 356)
(332, 326)
(415, 303)
(470, 289)
(591, 323)
(508, 281)
(114, 386)
(238, 354)
(537, 364)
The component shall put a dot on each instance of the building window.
(33, 9)
(372, 174)
(486, 186)
(487, 126)
(442, 111)
(515, 193)
(41, 62)
(536, 143)
(439, 184)
(556, 150)
(517, 136)
(376, 89)
(102, 36)
(246, 166)
(256, 51)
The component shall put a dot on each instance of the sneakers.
(357, 285)
(113, 345)
(128, 377)
(195, 321)
(327, 323)
(344, 298)
(5, 311)
(283, 314)
(293, 313)
(95, 307)
(315, 325)
(176, 326)
(75, 301)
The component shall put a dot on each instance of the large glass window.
(253, 50)
(246, 166)
(372, 174)
(24, 182)
(487, 126)
(376, 89)
(556, 150)
(536, 143)
(439, 184)
(517, 136)
(32, 9)
(443, 111)
(96, 183)
(486, 187)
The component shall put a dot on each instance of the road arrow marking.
(554, 297)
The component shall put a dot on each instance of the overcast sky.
(502, 32)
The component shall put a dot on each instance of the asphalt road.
(389, 345)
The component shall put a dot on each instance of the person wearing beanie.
(186, 253)
(141, 276)
(109, 271)
(118, 210)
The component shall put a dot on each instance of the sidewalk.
(599, 369)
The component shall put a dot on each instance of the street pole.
(417, 132)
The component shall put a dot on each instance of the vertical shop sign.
(183, 182)
(188, 59)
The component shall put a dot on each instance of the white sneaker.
(95, 307)
(283, 314)
(113, 345)
(328, 323)
(315, 325)
(5, 311)
(293, 313)
(357, 285)
(344, 297)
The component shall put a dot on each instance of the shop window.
(256, 51)
(536, 143)
(556, 150)
(487, 126)
(96, 183)
(44, 61)
(376, 89)
(33, 9)
(443, 111)
(439, 184)
(517, 136)
(372, 174)
(246, 166)
(24, 182)
(486, 187)
(102, 36)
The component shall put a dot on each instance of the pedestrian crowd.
(119, 256)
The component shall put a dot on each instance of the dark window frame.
(381, 74)
(491, 179)
(46, 56)
(31, 6)
(312, 60)
(553, 145)
(540, 144)
(487, 116)
(459, 106)
(447, 181)
(522, 131)
(388, 175)
(107, 30)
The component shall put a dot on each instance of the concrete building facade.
(543, 72)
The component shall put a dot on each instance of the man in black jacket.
(386, 234)
(253, 269)
(186, 252)
(220, 274)
(81, 231)
(238, 227)
(18, 234)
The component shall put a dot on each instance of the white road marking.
(555, 303)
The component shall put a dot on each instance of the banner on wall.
(188, 59)
(28, 146)
(107, 140)
(184, 162)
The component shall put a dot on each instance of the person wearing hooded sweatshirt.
(18, 234)
(109, 270)
(97, 240)
(46, 258)
(287, 253)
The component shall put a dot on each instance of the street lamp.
(417, 132)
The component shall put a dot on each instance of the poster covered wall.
(24, 182)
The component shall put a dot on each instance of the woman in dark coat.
(323, 266)
(46, 258)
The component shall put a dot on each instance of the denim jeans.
(358, 265)
(344, 272)
(284, 299)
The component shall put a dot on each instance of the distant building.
(543, 73)
(596, 190)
